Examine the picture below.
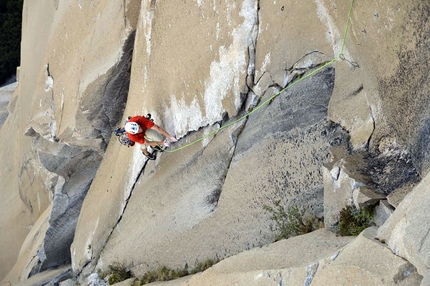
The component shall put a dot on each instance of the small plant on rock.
(292, 221)
(202, 266)
(115, 273)
(165, 274)
(353, 221)
(162, 274)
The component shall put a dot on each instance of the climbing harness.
(122, 135)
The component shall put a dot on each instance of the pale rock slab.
(376, 41)
(68, 282)
(205, 77)
(27, 258)
(263, 84)
(353, 266)
(363, 197)
(280, 263)
(426, 279)
(79, 45)
(280, 45)
(208, 201)
(397, 196)
(340, 181)
(5, 97)
(382, 212)
(406, 231)
(52, 276)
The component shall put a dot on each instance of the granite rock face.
(5, 96)
(71, 92)
(406, 232)
(260, 118)
(189, 218)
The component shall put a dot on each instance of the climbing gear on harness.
(122, 137)
(158, 148)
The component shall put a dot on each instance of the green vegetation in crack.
(162, 274)
(291, 221)
(165, 274)
(115, 273)
(353, 221)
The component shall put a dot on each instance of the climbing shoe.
(150, 156)
(158, 148)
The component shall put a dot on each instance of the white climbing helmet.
(132, 127)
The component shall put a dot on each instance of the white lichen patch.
(225, 73)
(145, 24)
(333, 35)
(49, 83)
(181, 118)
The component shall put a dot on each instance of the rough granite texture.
(72, 195)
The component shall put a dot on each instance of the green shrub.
(353, 221)
(115, 273)
(202, 266)
(165, 274)
(162, 274)
(292, 221)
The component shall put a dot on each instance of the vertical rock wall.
(197, 66)
(73, 87)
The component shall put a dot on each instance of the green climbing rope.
(339, 56)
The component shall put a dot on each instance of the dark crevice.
(116, 91)
(373, 130)
(95, 260)
(213, 198)
(78, 165)
(356, 92)
(293, 67)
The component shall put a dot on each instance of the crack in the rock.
(96, 259)
(293, 67)
(217, 193)
(356, 92)
(423, 240)
(373, 130)
(249, 82)
(53, 133)
(124, 15)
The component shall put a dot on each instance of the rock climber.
(136, 128)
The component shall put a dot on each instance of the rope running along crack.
(340, 56)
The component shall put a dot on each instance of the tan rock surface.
(328, 260)
(29, 248)
(45, 277)
(365, 197)
(396, 197)
(16, 219)
(209, 203)
(49, 109)
(340, 179)
(190, 61)
(406, 231)
(196, 65)
(283, 262)
(366, 261)
(5, 96)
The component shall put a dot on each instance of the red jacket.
(145, 124)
